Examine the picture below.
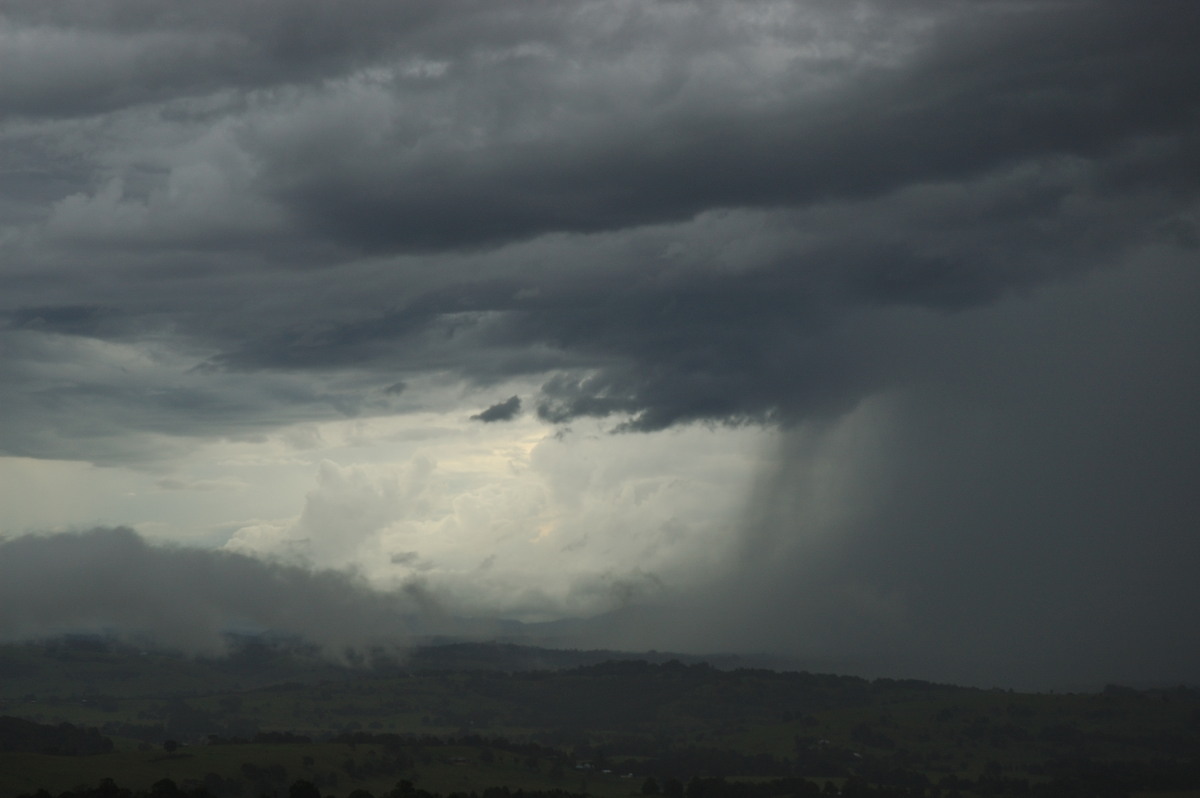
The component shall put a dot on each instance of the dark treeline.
(1101, 782)
(167, 788)
(1065, 779)
(685, 772)
(25, 736)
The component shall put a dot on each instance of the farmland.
(466, 718)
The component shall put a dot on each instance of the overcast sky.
(860, 332)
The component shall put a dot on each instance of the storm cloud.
(1016, 514)
(942, 254)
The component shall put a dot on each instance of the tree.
(303, 788)
(164, 788)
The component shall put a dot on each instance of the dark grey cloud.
(481, 125)
(86, 58)
(507, 410)
(1033, 159)
(112, 581)
(984, 94)
(68, 319)
(1054, 133)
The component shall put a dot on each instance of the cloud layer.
(662, 210)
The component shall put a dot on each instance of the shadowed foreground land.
(276, 720)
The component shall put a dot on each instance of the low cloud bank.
(110, 580)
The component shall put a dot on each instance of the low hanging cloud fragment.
(507, 410)
(111, 581)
